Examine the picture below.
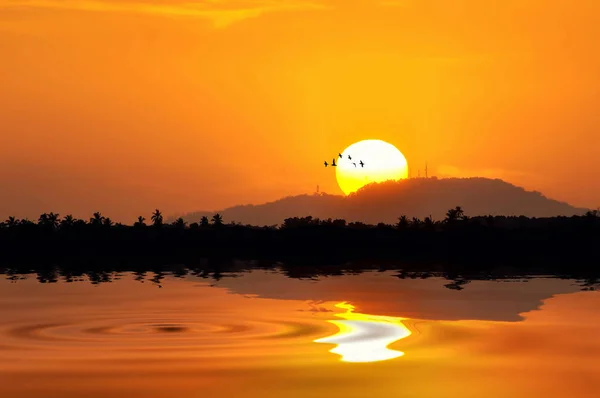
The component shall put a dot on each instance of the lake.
(262, 334)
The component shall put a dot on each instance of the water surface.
(264, 335)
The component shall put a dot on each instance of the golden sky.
(124, 106)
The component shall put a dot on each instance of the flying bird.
(361, 164)
(325, 163)
(333, 163)
(340, 155)
(354, 163)
(349, 157)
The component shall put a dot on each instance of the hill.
(416, 197)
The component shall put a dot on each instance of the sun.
(381, 161)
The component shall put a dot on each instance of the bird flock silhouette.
(333, 164)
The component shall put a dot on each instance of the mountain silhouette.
(416, 197)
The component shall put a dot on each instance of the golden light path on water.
(364, 337)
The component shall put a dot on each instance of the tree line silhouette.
(557, 244)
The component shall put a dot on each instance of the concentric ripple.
(220, 335)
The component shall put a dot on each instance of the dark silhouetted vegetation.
(461, 246)
(414, 197)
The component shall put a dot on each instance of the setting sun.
(369, 161)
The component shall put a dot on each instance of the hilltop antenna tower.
(426, 173)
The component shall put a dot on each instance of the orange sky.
(123, 106)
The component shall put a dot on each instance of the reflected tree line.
(458, 278)
(459, 246)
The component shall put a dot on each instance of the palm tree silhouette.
(53, 219)
(403, 223)
(217, 220)
(429, 223)
(179, 223)
(157, 218)
(416, 223)
(140, 222)
(68, 221)
(97, 219)
(11, 222)
(454, 215)
(43, 219)
(204, 221)
(48, 220)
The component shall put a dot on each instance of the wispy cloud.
(221, 13)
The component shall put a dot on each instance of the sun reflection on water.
(364, 337)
